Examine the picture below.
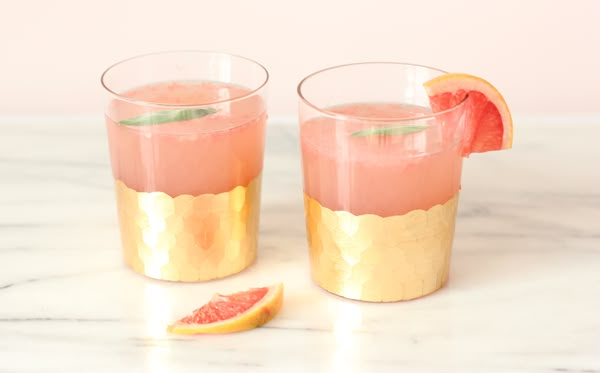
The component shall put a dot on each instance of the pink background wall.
(543, 55)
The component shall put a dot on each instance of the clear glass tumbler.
(186, 133)
(381, 180)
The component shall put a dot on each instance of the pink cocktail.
(381, 181)
(186, 137)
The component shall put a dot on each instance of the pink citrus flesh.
(489, 123)
(232, 313)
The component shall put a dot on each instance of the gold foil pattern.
(380, 259)
(189, 238)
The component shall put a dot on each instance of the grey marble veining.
(523, 296)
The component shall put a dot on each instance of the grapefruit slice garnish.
(232, 313)
(489, 123)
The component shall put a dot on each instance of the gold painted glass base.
(189, 238)
(377, 259)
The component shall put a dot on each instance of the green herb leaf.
(388, 131)
(166, 116)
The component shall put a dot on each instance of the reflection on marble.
(523, 294)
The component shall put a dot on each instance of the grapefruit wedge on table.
(232, 313)
(489, 123)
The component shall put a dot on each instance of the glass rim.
(252, 92)
(412, 118)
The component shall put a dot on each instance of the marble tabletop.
(523, 295)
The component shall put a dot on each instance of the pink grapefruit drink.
(212, 154)
(186, 133)
(374, 174)
(381, 180)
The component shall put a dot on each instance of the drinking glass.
(186, 134)
(381, 180)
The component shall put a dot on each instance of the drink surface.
(383, 175)
(212, 154)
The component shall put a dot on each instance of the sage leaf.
(166, 116)
(389, 131)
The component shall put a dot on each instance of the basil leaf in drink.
(388, 131)
(166, 116)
